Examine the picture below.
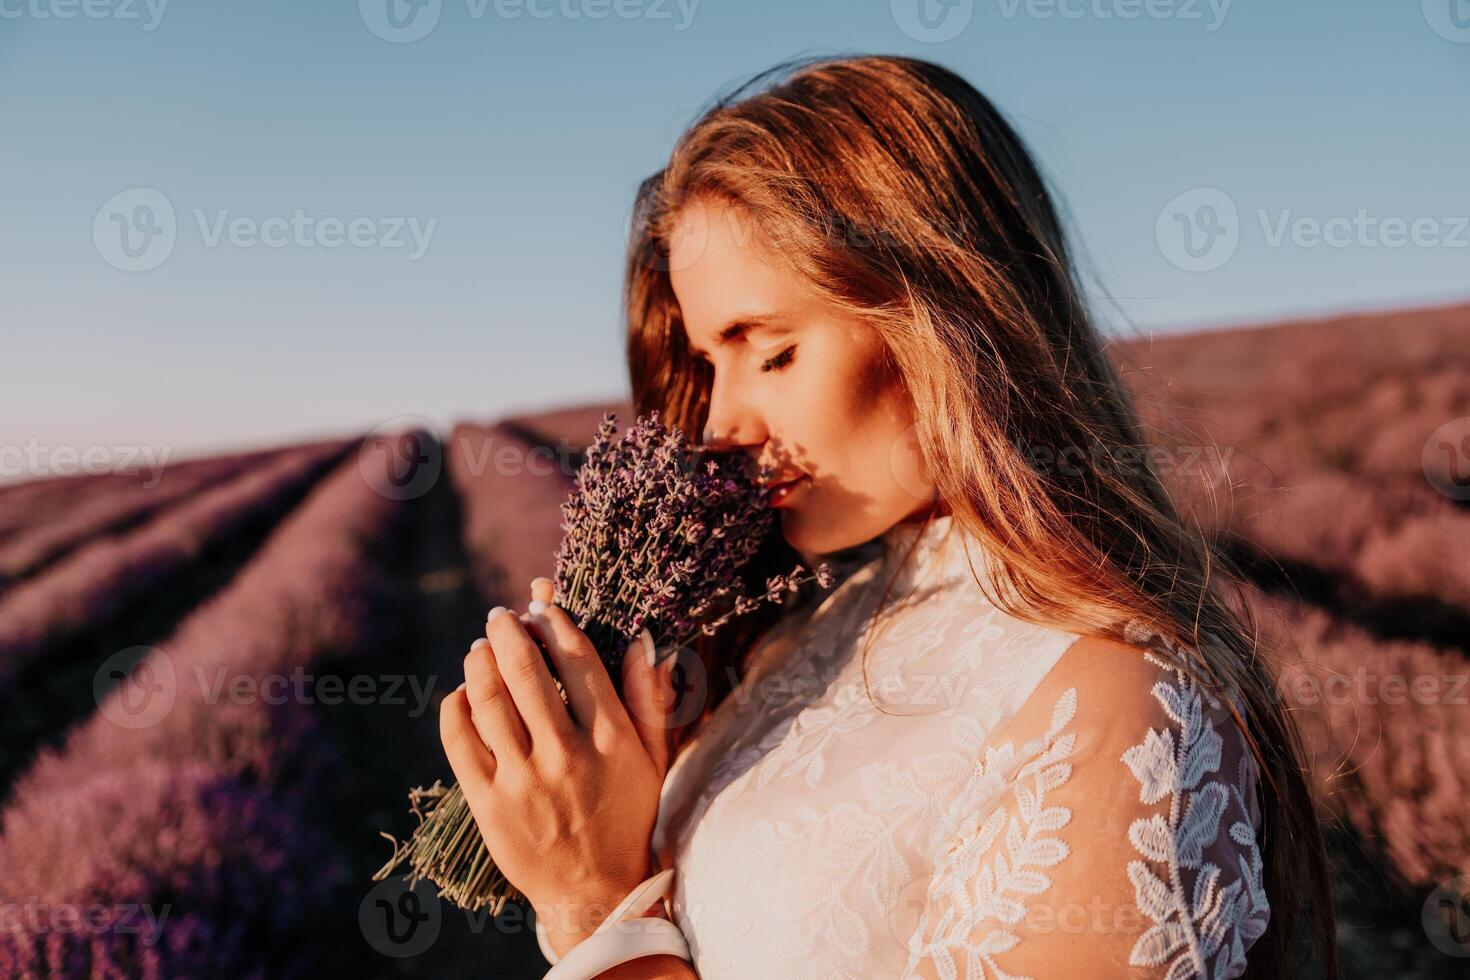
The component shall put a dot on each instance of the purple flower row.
(25, 552)
(24, 505)
(99, 580)
(200, 820)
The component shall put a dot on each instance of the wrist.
(567, 924)
(636, 940)
(636, 948)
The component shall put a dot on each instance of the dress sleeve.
(1109, 831)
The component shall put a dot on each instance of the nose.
(731, 423)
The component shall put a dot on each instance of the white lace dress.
(1012, 810)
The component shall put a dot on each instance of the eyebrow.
(737, 327)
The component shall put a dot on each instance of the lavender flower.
(656, 532)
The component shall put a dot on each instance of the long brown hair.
(907, 200)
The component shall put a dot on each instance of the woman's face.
(798, 385)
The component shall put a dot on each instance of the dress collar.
(926, 552)
(924, 535)
(936, 550)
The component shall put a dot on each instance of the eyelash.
(780, 360)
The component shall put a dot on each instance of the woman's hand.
(564, 794)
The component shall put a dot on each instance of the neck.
(926, 512)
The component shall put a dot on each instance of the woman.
(1027, 733)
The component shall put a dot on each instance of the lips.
(779, 493)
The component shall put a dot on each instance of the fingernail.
(479, 642)
(649, 653)
(461, 686)
(537, 606)
(490, 616)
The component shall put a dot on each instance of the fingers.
(590, 694)
(523, 668)
(474, 766)
(493, 710)
(649, 694)
(542, 590)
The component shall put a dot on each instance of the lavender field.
(216, 688)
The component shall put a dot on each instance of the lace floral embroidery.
(976, 891)
(1210, 921)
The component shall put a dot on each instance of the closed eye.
(780, 360)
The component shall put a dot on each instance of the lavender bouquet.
(656, 533)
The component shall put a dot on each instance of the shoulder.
(1134, 791)
(1120, 690)
(1140, 730)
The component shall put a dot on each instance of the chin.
(798, 533)
(812, 539)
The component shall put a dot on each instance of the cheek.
(859, 425)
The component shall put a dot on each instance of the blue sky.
(477, 182)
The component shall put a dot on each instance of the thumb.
(649, 695)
